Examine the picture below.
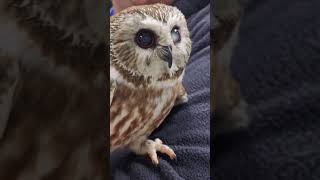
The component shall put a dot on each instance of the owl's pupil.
(175, 34)
(145, 39)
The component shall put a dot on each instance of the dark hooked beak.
(166, 54)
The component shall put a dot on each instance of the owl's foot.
(157, 145)
(151, 147)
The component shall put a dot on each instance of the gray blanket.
(186, 129)
(278, 64)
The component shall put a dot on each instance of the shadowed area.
(278, 67)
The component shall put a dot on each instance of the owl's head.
(150, 43)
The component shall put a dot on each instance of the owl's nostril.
(166, 55)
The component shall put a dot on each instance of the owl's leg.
(182, 95)
(146, 146)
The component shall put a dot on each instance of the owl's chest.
(136, 112)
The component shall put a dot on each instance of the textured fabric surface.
(277, 62)
(186, 129)
(191, 7)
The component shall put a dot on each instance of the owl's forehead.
(152, 23)
(158, 12)
(156, 15)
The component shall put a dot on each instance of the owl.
(149, 49)
(229, 107)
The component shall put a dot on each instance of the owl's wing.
(113, 87)
(9, 73)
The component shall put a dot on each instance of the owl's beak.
(166, 54)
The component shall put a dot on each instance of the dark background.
(277, 62)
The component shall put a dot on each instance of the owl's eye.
(145, 39)
(175, 34)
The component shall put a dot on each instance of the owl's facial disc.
(161, 48)
(151, 42)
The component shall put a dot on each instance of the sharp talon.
(151, 148)
(154, 159)
(155, 162)
(173, 156)
(168, 151)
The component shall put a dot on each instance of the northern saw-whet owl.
(149, 49)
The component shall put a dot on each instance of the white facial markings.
(163, 31)
(149, 62)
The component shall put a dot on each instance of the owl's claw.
(154, 158)
(145, 146)
(157, 145)
(168, 151)
(165, 149)
(151, 148)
